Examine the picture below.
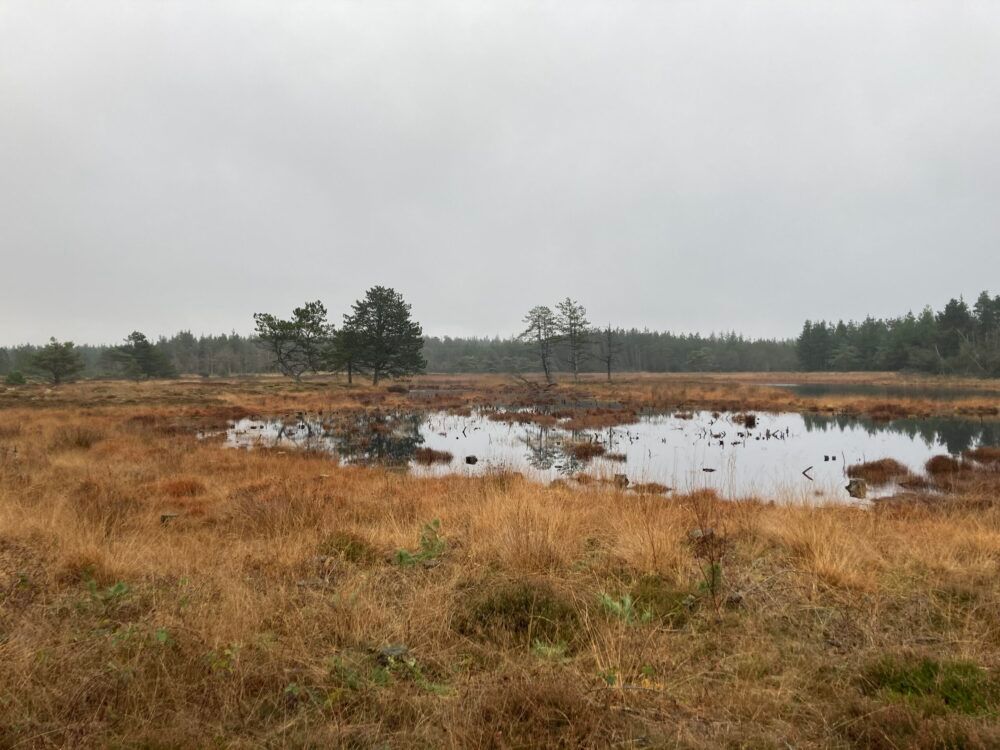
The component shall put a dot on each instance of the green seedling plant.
(625, 609)
(431, 546)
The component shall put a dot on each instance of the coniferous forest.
(959, 339)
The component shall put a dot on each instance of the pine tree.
(541, 333)
(573, 329)
(299, 344)
(384, 340)
(139, 358)
(60, 361)
(609, 349)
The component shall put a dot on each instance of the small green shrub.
(523, 611)
(952, 685)
(15, 377)
(625, 609)
(664, 601)
(432, 546)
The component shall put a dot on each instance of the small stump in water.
(857, 488)
(471, 460)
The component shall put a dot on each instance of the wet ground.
(786, 456)
(933, 393)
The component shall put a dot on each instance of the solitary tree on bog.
(573, 328)
(384, 341)
(542, 335)
(59, 361)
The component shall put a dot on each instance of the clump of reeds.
(76, 437)
(651, 488)
(943, 465)
(883, 471)
(984, 454)
(585, 451)
(596, 419)
(182, 487)
(886, 412)
(428, 456)
(523, 417)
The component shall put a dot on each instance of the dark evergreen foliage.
(139, 358)
(955, 340)
(382, 337)
(59, 361)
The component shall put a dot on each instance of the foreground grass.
(158, 591)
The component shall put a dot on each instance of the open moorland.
(160, 590)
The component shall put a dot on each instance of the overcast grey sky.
(681, 165)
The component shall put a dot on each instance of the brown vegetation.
(882, 471)
(943, 465)
(984, 455)
(157, 590)
(429, 456)
(585, 451)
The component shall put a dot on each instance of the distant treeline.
(959, 339)
(636, 351)
(649, 351)
(224, 355)
(956, 340)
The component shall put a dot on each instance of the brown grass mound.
(428, 456)
(182, 487)
(524, 417)
(76, 437)
(882, 471)
(939, 465)
(887, 411)
(585, 451)
(651, 488)
(984, 454)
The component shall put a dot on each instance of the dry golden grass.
(157, 590)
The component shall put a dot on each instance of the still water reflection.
(788, 456)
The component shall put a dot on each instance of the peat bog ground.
(159, 590)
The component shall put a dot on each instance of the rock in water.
(857, 488)
(471, 460)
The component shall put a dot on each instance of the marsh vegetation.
(158, 589)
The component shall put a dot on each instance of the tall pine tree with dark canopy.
(139, 358)
(386, 342)
(59, 361)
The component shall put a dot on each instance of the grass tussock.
(942, 466)
(182, 487)
(159, 591)
(75, 437)
(988, 455)
(878, 472)
(585, 451)
(428, 456)
(518, 612)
